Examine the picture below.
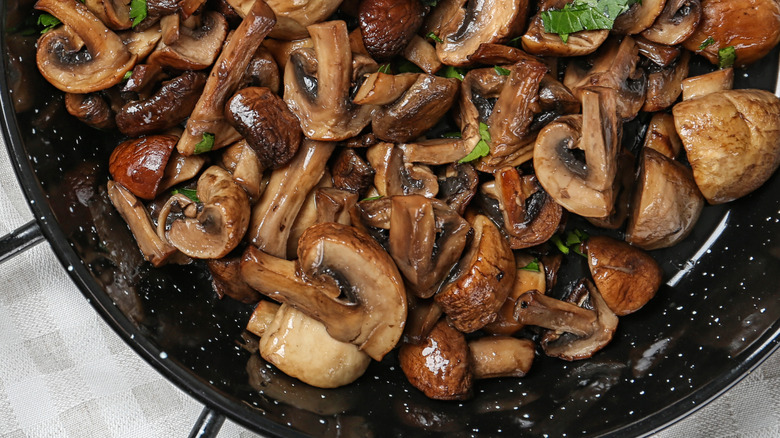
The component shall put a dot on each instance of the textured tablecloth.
(64, 372)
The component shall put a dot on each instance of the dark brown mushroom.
(676, 23)
(387, 26)
(665, 86)
(351, 172)
(92, 109)
(317, 85)
(481, 280)
(583, 330)
(458, 185)
(168, 107)
(266, 123)
(530, 275)
(61, 59)
(262, 71)
(422, 317)
(625, 276)
(139, 164)
(666, 202)
(226, 280)
(660, 54)
(662, 137)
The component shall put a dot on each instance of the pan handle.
(19, 240)
(208, 424)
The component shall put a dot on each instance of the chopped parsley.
(584, 15)
(726, 57)
(706, 43)
(454, 72)
(481, 149)
(384, 68)
(502, 71)
(573, 240)
(137, 11)
(556, 239)
(533, 265)
(190, 193)
(48, 22)
(433, 36)
(373, 198)
(127, 75)
(453, 134)
(408, 67)
(205, 144)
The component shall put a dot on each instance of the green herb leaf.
(727, 56)
(577, 250)
(127, 75)
(430, 3)
(190, 193)
(572, 239)
(515, 42)
(502, 71)
(137, 11)
(706, 43)
(532, 266)
(205, 144)
(454, 72)
(581, 234)
(48, 22)
(584, 15)
(556, 239)
(373, 198)
(482, 147)
(434, 37)
(453, 134)
(384, 68)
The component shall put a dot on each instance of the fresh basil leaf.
(727, 56)
(481, 149)
(434, 37)
(205, 144)
(137, 11)
(584, 15)
(502, 71)
(190, 193)
(706, 43)
(48, 22)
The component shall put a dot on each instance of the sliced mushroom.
(530, 275)
(262, 71)
(141, 43)
(261, 318)
(584, 188)
(623, 188)
(334, 205)
(387, 26)
(310, 214)
(665, 86)
(458, 185)
(91, 109)
(439, 366)
(615, 67)
(61, 59)
(662, 137)
(139, 164)
(472, 25)
(195, 48)
(155, 250)
(317, 85)
(625, 276)
(538, 42)
(395, 177)
(422, 317)
(179, 169)
(501, 356)
(301, 347)
(351, 172)
(676, 23)
(168, 107)
(293, 18)
(752, 28)
(114, 13)
(208, 115)
(220, 223)
(342, 278)
(241, 161)
(273, 215)
(660, 54)
(422, 54)
(226, 280)
(583, 331)
(666, 202)
(731, 139)
(638, 17)
(718, 80)
(481, 281)
(267, 125)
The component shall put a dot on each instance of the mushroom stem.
(501, 356)
(535, 308)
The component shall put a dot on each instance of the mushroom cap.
(538, 42)
(638, 17)
(195, 49)
(61, 60)
(732, 139)
(626, 277)
(677, 22)
(387, 26)
(301, 347)
(92, 109)
(220, 224)
(139, 163)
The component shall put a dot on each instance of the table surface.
(64, 372)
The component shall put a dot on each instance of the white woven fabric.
(64, 372)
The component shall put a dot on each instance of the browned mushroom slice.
(154, 249)
(584, 188)
(292, 17)
(141, 43)
(500, 54)
(501, 356)
(423, 55)
(626, 276)
(168, 107)
(638, 17)
(195, 48)
(660, 54)
(426, 240)
(439, 366)
(395, 177)
(615, 67)
(91, 109)
(707, 83)
(381, 88)
(482, 279)
(662, 137)
(351, 172)
(114, 13)
(262, 71)
(139, 164)
(665, 86)
(458, 185)
(317, 85)
(422, 317)
(624, 188)
(666, 203)
(344, 279)
(261, 317)
(528, 215)
(273, 215)
(334, 205)
(387, 26)
(241, 161)
(219, 225)
(470, 27)
(266, 124)
(301, 347)
(179, 169)
(310, 213)
(583, 331)
(208, 116)
(538, 42)
(731, 139)
(226, 280)
(61, 59)
(676, 23)
(281, 50)
(530, 275)
(752, 28)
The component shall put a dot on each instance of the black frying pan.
(716, 320)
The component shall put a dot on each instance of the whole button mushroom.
(387, 26)
(266, 123)
(732, 139)
(139, 164)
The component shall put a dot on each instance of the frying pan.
(716, 318)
